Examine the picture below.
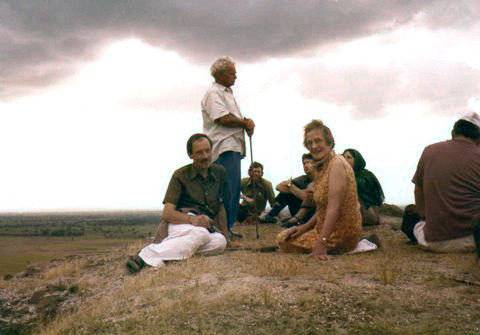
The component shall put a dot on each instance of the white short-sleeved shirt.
(217, 102)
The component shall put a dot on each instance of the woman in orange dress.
(337, 224)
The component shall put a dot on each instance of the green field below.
(27, 239)
(17, 253)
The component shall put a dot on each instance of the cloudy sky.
(97, 98)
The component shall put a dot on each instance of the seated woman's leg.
(302, 244)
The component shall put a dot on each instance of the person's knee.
(221, 243)
(281, 245)
(200, 233)
(218, 243)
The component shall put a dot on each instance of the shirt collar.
(194, 172)
(223, 88)
(463, 139)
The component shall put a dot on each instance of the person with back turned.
(447, 190)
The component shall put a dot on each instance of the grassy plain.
(398, 289)
(29, 238)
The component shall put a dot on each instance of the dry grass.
(64, 269)
(395, 290)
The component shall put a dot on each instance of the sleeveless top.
(348, 228)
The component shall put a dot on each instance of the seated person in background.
(370, 193)
(255, 191)
(337, 224)
(447, 190)
(193, 204)
(306, 211)
(292, 193)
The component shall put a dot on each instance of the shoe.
(135, 264)
(290, 225)
(287, 224)
(235, 236)
(375, 240)
(409, 220)
(267, 219)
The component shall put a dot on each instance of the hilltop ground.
(398, 289)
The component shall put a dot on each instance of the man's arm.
(172, 216)
(418, 181)
(288, 187)
(231, 121)
(247, 199)
(270, 193)
(222, 222)
(420, 200)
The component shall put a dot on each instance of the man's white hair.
(220, 65)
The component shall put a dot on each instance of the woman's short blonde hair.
(317, 124)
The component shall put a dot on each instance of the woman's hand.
(319, 251)
(295, 232)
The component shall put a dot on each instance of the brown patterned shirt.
(189, 190)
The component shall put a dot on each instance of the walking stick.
(255, 216)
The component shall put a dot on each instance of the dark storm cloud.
(446, 13)
(36, 34)
(444, 88)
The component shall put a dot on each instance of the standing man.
(256, 191)
(447, 190)
(225, 126)
(197, 222)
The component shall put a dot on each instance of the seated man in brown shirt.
(447, 190)
(256, 191)
(193, 209)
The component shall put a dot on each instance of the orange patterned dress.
(347, 230)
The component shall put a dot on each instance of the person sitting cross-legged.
(194, 211)
(292, 193)
(256, 191)
(370, 193)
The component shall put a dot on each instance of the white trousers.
(183, 241)
(462, 244)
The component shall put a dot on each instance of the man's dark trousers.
(231, 161)
(285, 199)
